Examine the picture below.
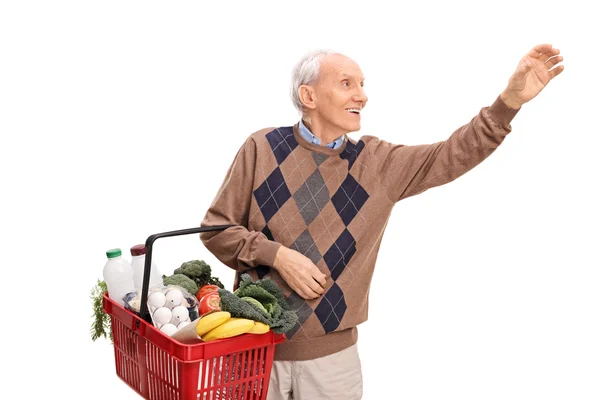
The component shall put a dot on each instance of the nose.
(361, 96)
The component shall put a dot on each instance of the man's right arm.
(237, 247)
(240, 248)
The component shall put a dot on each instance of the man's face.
(338, 95)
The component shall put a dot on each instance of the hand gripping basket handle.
(148, 261)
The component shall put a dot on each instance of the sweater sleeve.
(237, 247)
(406, 171)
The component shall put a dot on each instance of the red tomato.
(204, 290)
(210, 302)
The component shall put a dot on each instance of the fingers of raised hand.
(552, 65)
(543, 51)
(555, 71)
(551, 62)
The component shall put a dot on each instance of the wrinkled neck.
(321, 130)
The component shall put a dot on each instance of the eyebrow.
(344, 76)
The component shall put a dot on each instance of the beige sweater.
(332, 205)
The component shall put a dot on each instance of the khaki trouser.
(334, 377)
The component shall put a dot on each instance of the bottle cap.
(112, 253)
(138, 250)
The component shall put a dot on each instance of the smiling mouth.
(354, 110)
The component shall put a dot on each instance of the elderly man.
(311, 205)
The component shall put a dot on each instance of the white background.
(119, 119)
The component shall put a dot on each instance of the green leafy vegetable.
(199, 272)
(272, 308)
(101, 325)
(181, 280)
(257, 303)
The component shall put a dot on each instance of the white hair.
(306, 72)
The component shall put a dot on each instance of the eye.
(345, 82)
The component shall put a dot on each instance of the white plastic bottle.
(138, 262)
(118, 276)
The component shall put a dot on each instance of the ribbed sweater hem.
(300, 350)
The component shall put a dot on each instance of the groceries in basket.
(254, 307)
(171, 307)
(192, 275)
(261, 300)
(218, 325)
(138, 264)
(123, 276)
(118, 275)
(174, 304)
(185, 371)
(192, 305)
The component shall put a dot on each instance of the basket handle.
(145, 315)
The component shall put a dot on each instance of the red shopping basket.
(160, 368)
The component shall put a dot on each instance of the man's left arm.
(405, 171)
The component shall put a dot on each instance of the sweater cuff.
(266, 251)
(502, 114)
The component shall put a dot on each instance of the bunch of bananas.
(220, 325)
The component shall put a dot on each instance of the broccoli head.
(183, 281)
(200, 272)
(197, 270)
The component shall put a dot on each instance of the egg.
(156, 300)
(162, 315)
(181, 314)
(168, 329)
(174, 298)
(182, 324)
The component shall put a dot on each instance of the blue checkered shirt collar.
(310, 138)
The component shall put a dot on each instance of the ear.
(307, 96)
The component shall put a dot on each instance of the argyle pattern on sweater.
(311, 197)
(332, 206)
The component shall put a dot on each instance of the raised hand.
(535, 70)
(300, 273)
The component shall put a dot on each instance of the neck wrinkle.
(324, 140)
